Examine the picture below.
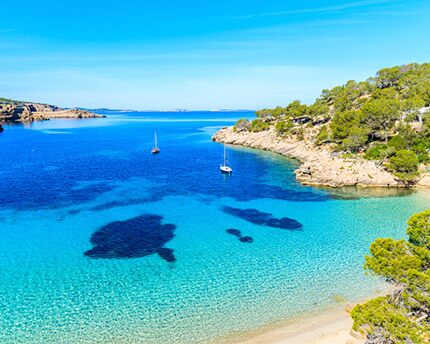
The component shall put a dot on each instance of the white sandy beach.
(329, 327)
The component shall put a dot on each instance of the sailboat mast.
(225, 157)
(155, 139)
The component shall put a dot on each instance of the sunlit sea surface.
(102, 242)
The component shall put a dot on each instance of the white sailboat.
(155, 149)
(224, 167)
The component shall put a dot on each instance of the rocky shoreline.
(319, 166)
(13, 112)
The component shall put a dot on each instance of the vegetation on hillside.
(7, 101)
(385, 118)
(404, 316)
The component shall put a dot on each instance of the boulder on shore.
(242, 125)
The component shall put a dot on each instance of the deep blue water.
(53, 160)
(103, 242)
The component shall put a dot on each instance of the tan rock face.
(319, 166)
(424, 181)
(28, 112)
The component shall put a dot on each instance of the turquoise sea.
(102, 242)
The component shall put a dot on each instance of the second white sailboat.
(224, 166)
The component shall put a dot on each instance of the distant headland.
(14, 111)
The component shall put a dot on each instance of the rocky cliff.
(319, 165)
(16, 111)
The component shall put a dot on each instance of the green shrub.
(376, 152)
(404, 164)
(356, 139)
(401, 317)
(342, 122)
(426, 125)
(421, 150)
(283, 127)
(381, 114)
(300, 133)
(397, 143)
(322, 136)
(317, 109)
(258, 125)
(418, 229)
(381, 317)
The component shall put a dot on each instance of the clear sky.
(164, 54)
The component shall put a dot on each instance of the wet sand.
(332, 326)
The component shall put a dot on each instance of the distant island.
(12, 111)
(369, 133)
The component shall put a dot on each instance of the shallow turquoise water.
(63, 181)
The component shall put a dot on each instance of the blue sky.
(201, 54)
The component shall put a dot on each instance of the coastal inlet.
(102, 242)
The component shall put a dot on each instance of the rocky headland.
(17, 111)
(320, 166)
(367, 133)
